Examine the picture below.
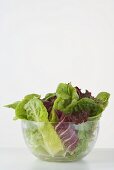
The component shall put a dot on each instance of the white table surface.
(22, 159)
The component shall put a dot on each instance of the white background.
(44, 42)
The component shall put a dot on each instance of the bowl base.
(57, 159)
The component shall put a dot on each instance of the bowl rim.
(84, 122)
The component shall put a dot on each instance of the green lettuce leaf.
(51, 139)
(86, 139)
(34, 137)
(36, 111)
(102, 98)
(53, 116)
(95, 118)
(49, 95)
(66, 98)
(90, 106)
(20, 112)
(13, 105)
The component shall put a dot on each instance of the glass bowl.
(67, 142)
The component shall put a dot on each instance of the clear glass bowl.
(77, 140)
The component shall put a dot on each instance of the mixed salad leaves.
(58, 113)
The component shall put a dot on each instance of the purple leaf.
(82, 95)
(67, 134)
(77, 117)
(49, 103)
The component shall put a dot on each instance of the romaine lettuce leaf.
(49, 95)
(34, 137)
(13, 105)
(90, 106)
(36, 111)
(53, 116)
(102, 98)
(20, 112)
(66, 98)
(51, 139)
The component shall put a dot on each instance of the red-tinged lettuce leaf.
(48, 102)
(82, 95)
(76, 117)
(67, 134)
(49, 96)
(48, 105)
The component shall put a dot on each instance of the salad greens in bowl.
(62, 126)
